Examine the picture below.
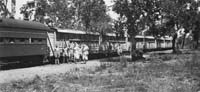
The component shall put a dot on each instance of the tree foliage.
(62, 13)
(163, 17)
(130, 11)
(149, 12)
(89, 15)
(3, 10)
(92, 13)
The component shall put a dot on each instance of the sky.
(111, 13)
(19, 4)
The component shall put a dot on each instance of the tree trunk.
(174, 42)
(133, 48)
(156, 43)
(100, 39)
(197, 43)
(183, 42)
(196, 39)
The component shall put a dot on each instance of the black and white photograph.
(99, 46)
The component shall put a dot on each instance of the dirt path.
(42, 71)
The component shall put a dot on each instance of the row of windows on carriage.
(61, 36)
(12, 40)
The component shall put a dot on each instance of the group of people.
(109, 47)
(71, 53)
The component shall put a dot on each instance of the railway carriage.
(152, 43)
(91, 39)
(69, 35)
(22, 41)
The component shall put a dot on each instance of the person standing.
(71, 52)
(65, 52)
(77, 53)
(57, 55)
(85, 52)
(119, 49)
(62, 56)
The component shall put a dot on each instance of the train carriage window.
(11, 40)
(22, 40)
(38, 40)
(84, 37)
(1, 39)
(79, 37)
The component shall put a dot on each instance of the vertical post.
(100, 39)
(50, 43)
(144, 40)
(126, 36)
(164, 42)
(29, 40)
(156, 43)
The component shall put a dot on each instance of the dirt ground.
(158, 72)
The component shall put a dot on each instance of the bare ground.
(159, 72)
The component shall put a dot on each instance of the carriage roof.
(141, 36)
(12, 23)
(72, 31)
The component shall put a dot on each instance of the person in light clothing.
(57, 55)
(77, 53)
(85, 52)
(71, 51)
(119, 49)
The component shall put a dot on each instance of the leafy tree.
(24, 10)
(40, 10)
(59, 12)
(118, 27)
(62, 13)
(132, 11)
(86, 15)
(182, 13)
(3, 10)
(171, 14)
(92, 13)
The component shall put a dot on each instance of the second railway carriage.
(68, 35)
(60, 37)
(22, 41)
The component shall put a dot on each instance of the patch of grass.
(102, 67)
